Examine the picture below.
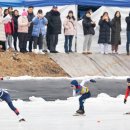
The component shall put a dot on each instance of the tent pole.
(76, 12)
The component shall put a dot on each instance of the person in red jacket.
(127, 90)
(9, 30)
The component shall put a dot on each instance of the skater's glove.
(125, 101)
(92, 80)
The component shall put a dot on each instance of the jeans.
(128, 42)
(53, 41)
(82, 100)
(15, 36)
(22, 41)
(38, 41)
(68, 43)
(87, 42)
(9, 40)
(30, 44)
(6, 97)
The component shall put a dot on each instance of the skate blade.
(77, 114)
(22, 120)
(127, 113)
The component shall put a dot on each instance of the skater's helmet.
(128, 80)
(74, 82)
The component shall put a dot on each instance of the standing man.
(30, 17)
(128, 33)
(53, 28)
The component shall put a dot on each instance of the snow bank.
(102, 113)
(61, 78)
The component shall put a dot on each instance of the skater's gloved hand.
(92, 80)
(125, 101)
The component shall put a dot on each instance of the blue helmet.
(74, 82)
(128, 80)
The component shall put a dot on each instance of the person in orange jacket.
(127, 90)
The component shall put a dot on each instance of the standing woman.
(23, 25)
(104, 33)
(88, 28)
(115, 32)
(69, 31)
(15, 34)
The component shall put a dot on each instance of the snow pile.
(26, 77)
(102, 113)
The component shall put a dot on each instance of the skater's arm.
(127, 93)
(87, 80)
(84, 81)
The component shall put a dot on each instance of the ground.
(18, 64)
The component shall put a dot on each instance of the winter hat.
(74, 82)
(24, 13)
(55, 6)
(128, 80)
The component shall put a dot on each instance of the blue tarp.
(121, 3)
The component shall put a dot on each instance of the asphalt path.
(59, 89)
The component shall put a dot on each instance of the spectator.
(9, 30)
(23, 31)
(2, 30)
(115, 32)
(53, 28)
(128, 33)
(88, 28)
(39, 23)
(69, 31)
(10, 10)
(15, 34)
(104, 33)
(30, 17)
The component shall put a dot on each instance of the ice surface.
(102, 113)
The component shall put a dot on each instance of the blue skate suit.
(4, 95)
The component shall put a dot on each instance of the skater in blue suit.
(80, 89)
(5, 96)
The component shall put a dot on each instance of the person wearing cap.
(53, 28)
(81, 89)
(127, 90)
(88, 28)
(23, 25)
(69, 31)
(30, 18)
(39, 31)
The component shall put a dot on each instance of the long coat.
(54, 22)
(2, 28)
(88, 27)
(30, 28)
(115, 31)
(104, 32)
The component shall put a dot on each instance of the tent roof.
(123, 3)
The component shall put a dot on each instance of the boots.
(80, 111)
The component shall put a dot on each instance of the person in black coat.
(53, 28)
(88, 29)
(15, 34)
(30, 17)
(115, 32)
(104, 33)
(128, 33)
